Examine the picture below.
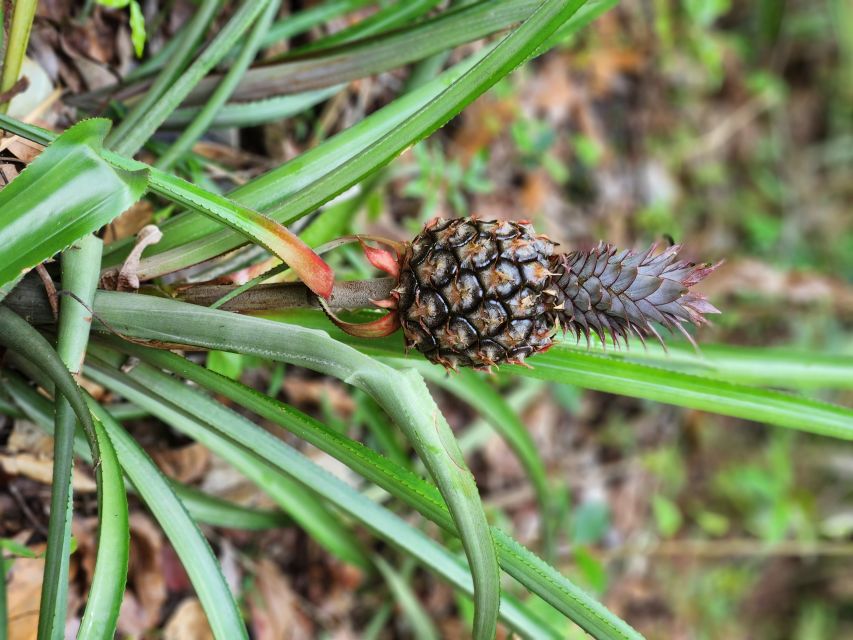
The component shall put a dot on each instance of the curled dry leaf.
(127, 277)
(146, 593)
(274, 607)
(41, 470)
(184, 464)
(188, 621)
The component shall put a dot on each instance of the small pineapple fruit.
(477, 293)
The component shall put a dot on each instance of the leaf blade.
(65, 193)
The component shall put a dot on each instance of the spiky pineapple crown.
(478, 293)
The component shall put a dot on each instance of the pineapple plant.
(478, 293)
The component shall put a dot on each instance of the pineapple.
(472, 292)
(477, 293)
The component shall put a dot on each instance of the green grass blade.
(202, 120)
(238, 433)
(183, 533)
(175, 63)
(385, 19)
(108, 583)
(127, 140)
(250, 114)
(20, 24)
(422, 627)
(403, 395)
(143, 385)
(65, 193)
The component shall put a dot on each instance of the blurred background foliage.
(723, 124)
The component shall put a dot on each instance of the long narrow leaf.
(183, 533)
(240, 434)
(203, 508)
(144, 385)
(250, 114)
(422, 626)
(761, 366)
(385, 19)
(203, 119)
(652, 381)
(400, 482)
(175, 63)
(129, 138)
(374, 55)
(80, 267)
(473, 389)
(300, 186)
(105, 594)
(19, 337)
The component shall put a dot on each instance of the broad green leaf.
(65, 193)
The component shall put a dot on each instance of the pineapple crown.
(478, 293)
